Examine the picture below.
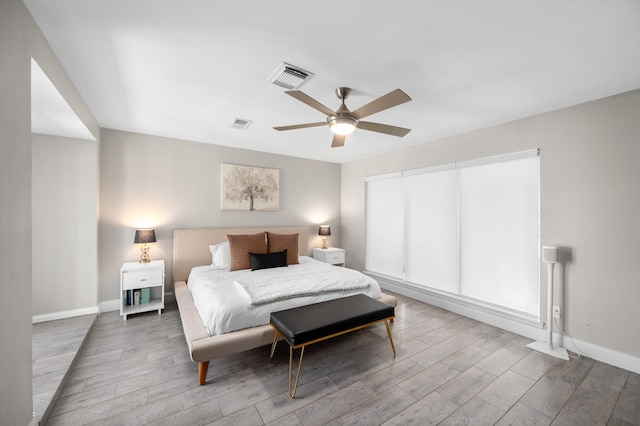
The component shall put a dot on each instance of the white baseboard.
(109, 305)
(502, 319)
(531, 330)
(106, 306)
(114, 305)
(602, 354)
(64, 314)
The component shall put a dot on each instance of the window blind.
(469, 229)
(499, 222)
(385, 226)
(432, 229)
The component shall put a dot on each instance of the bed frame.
(191, 248)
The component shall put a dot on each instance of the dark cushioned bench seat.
(309, 324)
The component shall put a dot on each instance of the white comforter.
(224, 306)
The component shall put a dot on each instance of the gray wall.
(167, 184)
(15, 216)
(20, 40)
(65, 224)
(590, 199)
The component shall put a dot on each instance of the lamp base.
(324, 245)
(548, 349)
(144, 257)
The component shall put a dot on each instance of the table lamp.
(324, 231)
(144, 237)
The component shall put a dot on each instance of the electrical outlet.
(556, 312)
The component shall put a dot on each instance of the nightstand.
(141, 287)
(332, 255)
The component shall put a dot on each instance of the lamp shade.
(144, 236)
(324, 230)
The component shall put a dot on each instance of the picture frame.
(249, 188)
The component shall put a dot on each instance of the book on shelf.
(145, 296)
(137, 296)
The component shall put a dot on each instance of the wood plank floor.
(55, 346)
(449, 370)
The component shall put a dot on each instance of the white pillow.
(220, 255)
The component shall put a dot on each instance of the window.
(385, 225)
(432, 228)
(468, 229)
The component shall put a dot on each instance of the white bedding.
(224, 306)
(267, 288)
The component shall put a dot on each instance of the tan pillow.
(279, 242)
(241, 245)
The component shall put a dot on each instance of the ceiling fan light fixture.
(342, 125)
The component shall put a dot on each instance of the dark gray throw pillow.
(268, 260)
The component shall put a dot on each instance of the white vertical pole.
(550, 304)
(550, 257)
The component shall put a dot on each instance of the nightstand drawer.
(335, 257)
(141, 279)
(332, 255)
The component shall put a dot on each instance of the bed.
(191, 249)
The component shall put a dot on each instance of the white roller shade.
(469, 229)
(385, 226)
(432, 229)
(499, 224)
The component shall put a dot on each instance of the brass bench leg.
(295, 387)
(386, 323)
(273, 345)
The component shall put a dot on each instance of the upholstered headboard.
(191, 246)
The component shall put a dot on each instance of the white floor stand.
(547, 347)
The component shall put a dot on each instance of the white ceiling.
(186, 69)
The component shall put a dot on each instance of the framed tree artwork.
(249, 188)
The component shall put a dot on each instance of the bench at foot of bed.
(310, 324)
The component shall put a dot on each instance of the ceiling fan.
(343, 122)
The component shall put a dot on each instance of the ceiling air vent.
(241, 123)
(289, 76)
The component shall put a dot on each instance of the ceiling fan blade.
(302, 97)
(338, 141)
(301, 126)
(383, 128)
(387, 101)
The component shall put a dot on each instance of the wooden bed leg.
(202, 372)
